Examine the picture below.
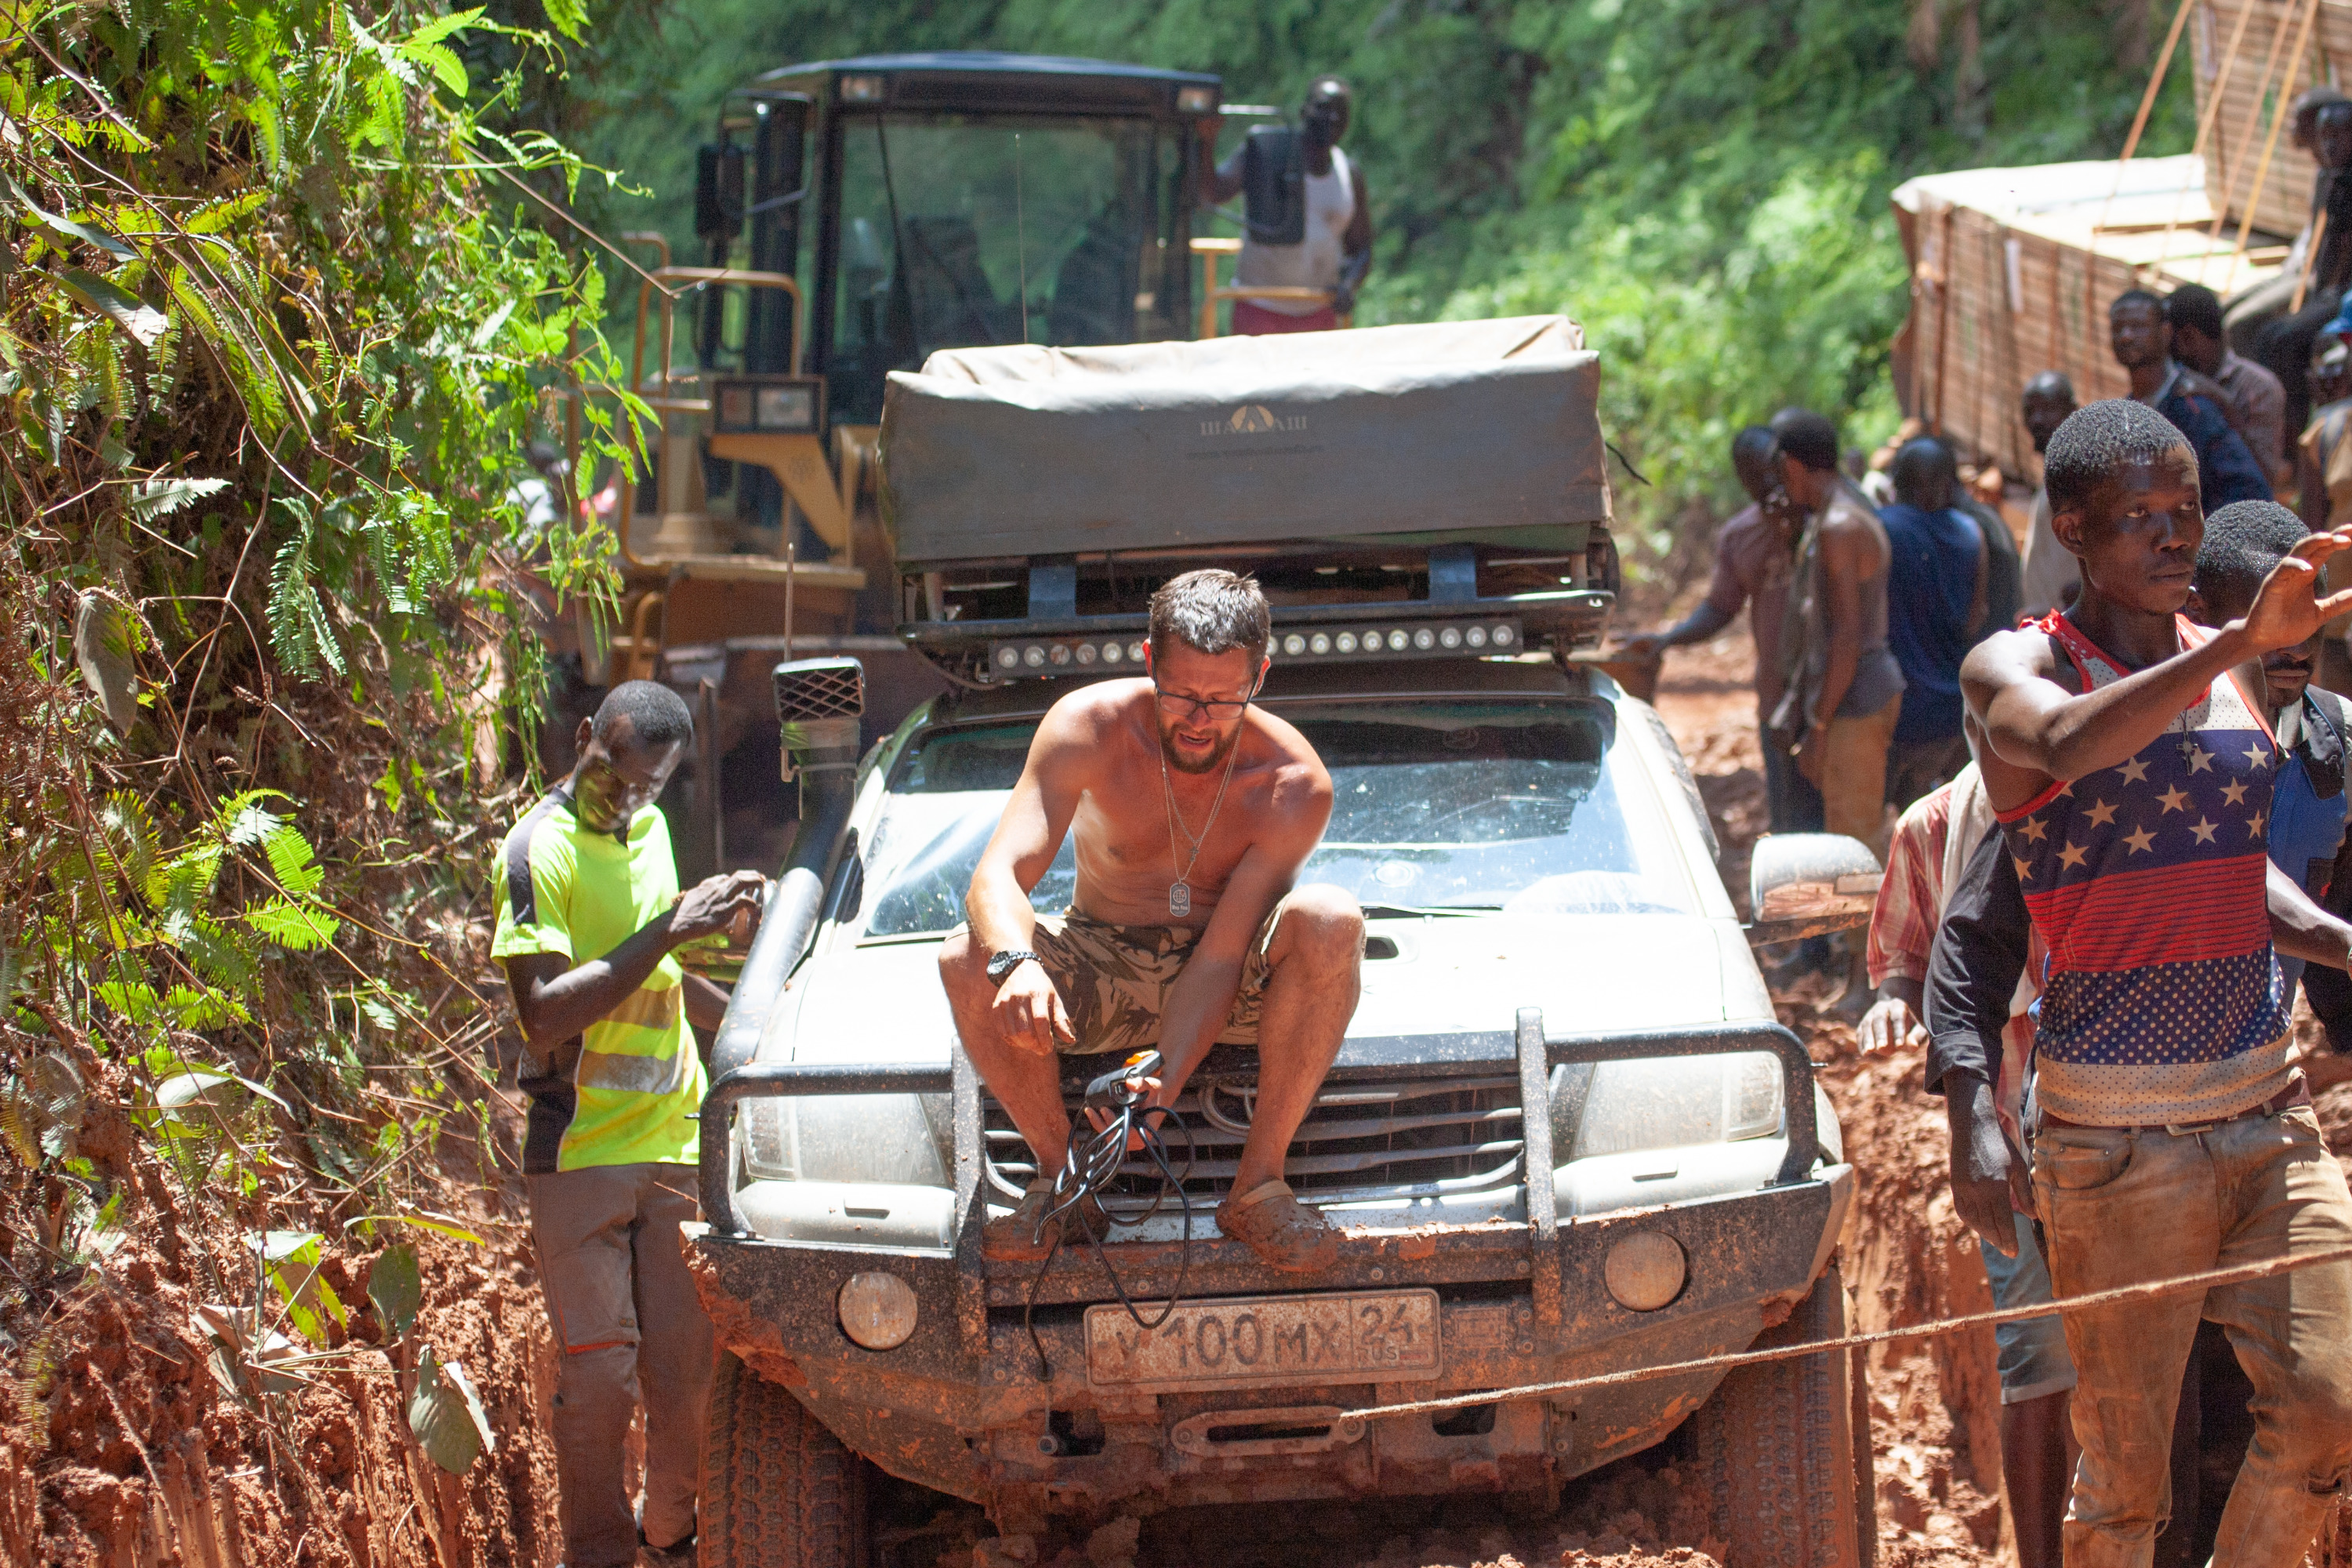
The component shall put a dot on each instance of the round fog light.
(877, 1310)
(1644, 1272)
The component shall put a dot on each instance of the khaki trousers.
(631, 1329)
(1853, 775)
(2120, 1206)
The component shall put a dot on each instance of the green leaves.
(396, 1288)
(124, 309)
(446, 1415)
(291, 1259)
(103, 629)
(424, 48)
(152, 499)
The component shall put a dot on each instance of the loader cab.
(952, 200)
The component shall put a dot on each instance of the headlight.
(880, 1138)
(1666, 1102)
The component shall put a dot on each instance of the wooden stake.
(2279, 116)
(2205, 124)
(2310, 259)
(2254, 123)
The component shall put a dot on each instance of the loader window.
(1529, 808)
(949, 223)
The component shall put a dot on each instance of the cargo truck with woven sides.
(2013, 269)
(1565, 1134)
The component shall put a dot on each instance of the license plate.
(1371, 1336)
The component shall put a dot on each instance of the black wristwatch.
(1005, 964)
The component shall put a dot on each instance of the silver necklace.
(1180, 891)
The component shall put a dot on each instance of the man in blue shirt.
(2141, 340)
(1935, 610)
(2243, 542)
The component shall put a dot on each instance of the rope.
(2151, 1291)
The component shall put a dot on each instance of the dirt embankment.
(120, 1446)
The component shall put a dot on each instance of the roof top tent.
(2013, 269)
(1450, 473)
(941, 201)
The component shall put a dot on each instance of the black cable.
(1092, 1166)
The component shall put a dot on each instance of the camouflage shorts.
(1114, 979)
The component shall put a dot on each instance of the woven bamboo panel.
(2265, 71)
(2013, 272)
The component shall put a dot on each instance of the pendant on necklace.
(1180, 899)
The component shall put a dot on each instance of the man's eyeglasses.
(1221, 709)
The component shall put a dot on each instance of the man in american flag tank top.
(2130, 764)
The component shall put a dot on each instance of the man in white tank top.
(1336, 251)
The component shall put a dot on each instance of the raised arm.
(1218, 183)
(2035, 726)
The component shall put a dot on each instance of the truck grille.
(1388, 1142)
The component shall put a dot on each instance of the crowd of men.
(2107, 782)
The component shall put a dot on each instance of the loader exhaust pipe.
(818, 704)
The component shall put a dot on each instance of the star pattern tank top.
(2164, 1003)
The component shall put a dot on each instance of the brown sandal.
(1025, 1236)
(1285, 1233)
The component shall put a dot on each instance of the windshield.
(961, 230)
(1524, 807)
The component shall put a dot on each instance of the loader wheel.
(779, 1490)
(1776, 1451)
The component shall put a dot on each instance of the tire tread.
(1776, 1449)
(779, 1488)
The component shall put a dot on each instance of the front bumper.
(963, 1406)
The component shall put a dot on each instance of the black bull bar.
(1362, 1060)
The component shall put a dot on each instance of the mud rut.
(118, 1450)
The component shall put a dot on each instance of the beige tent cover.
(1027, 450)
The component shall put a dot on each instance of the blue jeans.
(2032, 1351)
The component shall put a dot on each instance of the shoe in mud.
(1018, 1236)
(1285, 1233)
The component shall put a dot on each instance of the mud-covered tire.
(1776, 1451)
(779, 1490)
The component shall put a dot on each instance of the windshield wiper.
(1401, 911)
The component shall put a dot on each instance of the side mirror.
(1807, 884)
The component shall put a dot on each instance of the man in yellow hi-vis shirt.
(589, 913)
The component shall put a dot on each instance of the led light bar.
(1018, 658)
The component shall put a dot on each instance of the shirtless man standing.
(1193, 812)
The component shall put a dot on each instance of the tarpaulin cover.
(1028, 450)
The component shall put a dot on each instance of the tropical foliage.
(278, 315)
